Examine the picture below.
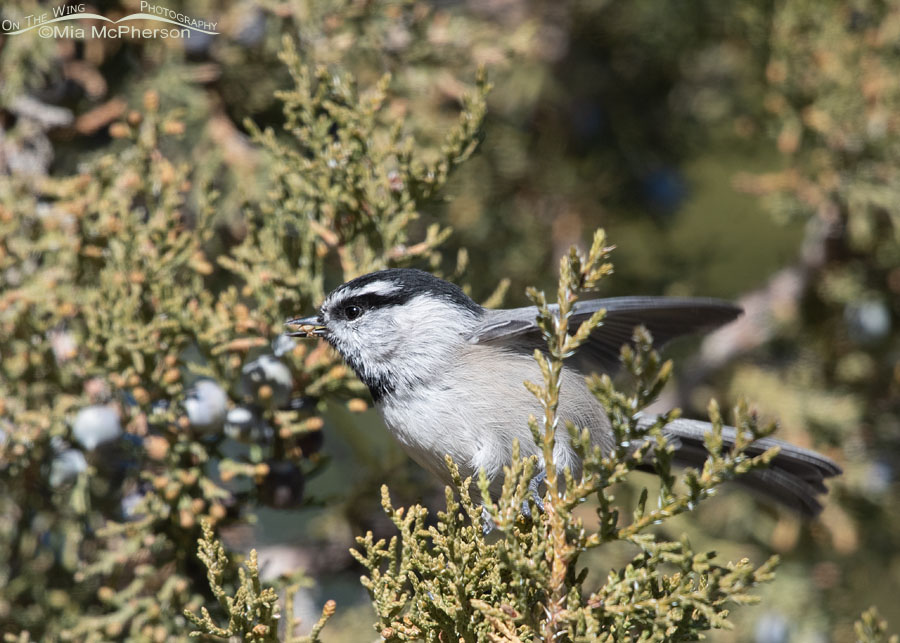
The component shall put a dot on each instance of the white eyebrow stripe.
(374, 288)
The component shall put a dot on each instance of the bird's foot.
(487, 523)
(534, 486)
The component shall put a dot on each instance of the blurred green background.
(747, 150)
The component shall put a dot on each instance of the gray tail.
(795, 476)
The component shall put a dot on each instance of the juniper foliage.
(254, 611)
(145, 384)
(871, 628)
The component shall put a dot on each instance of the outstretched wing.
(665, 318)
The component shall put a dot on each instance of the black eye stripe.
(372, 300)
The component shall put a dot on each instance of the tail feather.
(795, 477)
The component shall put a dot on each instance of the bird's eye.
(352, 312)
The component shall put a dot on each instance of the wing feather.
(665, 317)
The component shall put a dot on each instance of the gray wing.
(665, 318)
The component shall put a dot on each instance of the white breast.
(475, 407)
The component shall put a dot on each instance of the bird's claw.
(534, 486)
(487, 523)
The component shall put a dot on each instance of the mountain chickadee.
(447, 376)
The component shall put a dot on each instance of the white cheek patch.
(404, 344)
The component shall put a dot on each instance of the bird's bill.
(309, 327)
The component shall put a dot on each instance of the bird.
(447, 377)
